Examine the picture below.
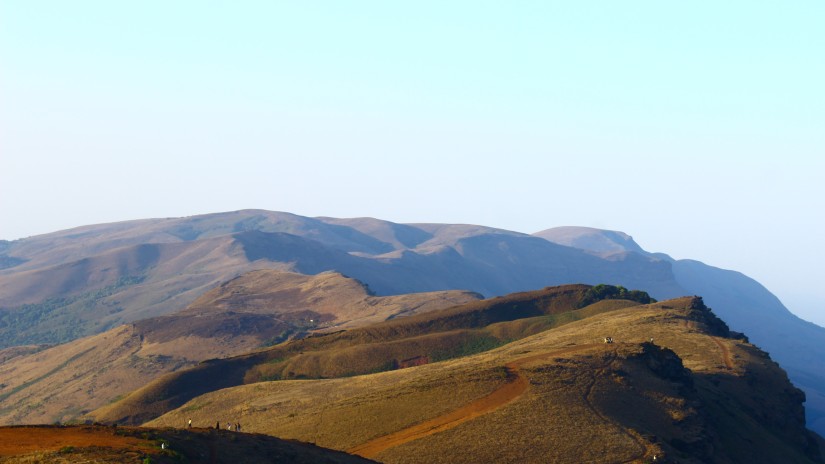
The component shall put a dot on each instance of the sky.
(695, 127)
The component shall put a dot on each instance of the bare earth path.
(22, 440)
(516, 386)
(726, 357)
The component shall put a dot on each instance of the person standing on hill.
(189, 424)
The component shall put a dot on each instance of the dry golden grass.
(64, 383)
(342, 412)
(398, 343)
(586, 402)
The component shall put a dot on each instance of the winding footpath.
(516, 386)
(726, 357)
(513, 389)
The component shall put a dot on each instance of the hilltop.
(696, 393)
(744, 304)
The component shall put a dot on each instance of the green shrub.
(613, 292)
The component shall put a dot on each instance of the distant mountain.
(83, 281)
(603, 242)
(68, 284)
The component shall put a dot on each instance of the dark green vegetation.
(617, 292)
(57, 320)
(420, 339)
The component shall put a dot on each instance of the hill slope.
(68, 284)
(254, 310)
(103, 445)
(61, 286)
(694, 395)
(394, 344)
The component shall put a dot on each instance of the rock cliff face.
(743, 304)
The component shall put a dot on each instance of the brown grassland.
(420, 339)
(65, 382)
(695, 394)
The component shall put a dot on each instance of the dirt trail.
(515, 387)
(726, 356)
(21, 440)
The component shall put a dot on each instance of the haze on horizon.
(696, 128)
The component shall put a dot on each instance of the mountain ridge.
(699, 393)
(390, 258)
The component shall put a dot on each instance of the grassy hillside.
(692, 395)
(247, 313)
(394, 344)
(61, 302)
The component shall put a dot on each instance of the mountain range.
(528, 377)
(83, 282)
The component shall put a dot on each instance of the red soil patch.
(29, 439)
(516, 386)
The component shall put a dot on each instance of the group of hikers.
(229, 425)
(610, 340)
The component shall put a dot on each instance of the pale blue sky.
(696, 127)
